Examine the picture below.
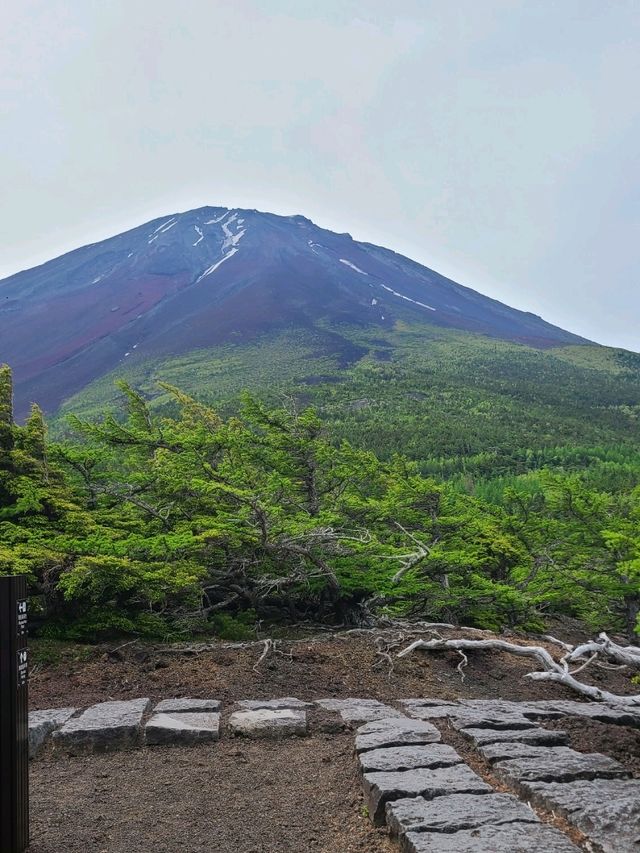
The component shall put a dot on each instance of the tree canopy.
(165, 523)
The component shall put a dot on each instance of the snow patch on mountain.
(231, 239)
(217, 264)
(169, 222)
(215, 221)
(353, 266)
(408, 298)
(162, 229)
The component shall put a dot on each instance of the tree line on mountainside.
(178, 522)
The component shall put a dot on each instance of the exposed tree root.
(552, 670)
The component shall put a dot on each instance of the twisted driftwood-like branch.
(625, 655)
(552, 670)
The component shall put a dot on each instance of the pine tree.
(34, 434)
(6, 409)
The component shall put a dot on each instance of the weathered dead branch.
(552, 670)
(605, 647)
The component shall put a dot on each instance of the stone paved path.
(420, 787)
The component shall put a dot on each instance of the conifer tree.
(34, 434)
(6, 409)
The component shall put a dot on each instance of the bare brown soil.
(260, 797)
(340, 666)
(296, 796)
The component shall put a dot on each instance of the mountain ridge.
(215, 275)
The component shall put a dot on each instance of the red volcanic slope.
(209, 275)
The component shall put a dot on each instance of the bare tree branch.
(552, 670)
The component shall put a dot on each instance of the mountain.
(213, 277)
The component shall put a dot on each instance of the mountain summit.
(215, 275)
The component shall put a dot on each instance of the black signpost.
(14, 728)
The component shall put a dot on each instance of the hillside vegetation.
(434, 473)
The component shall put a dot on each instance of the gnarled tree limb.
(552, 670)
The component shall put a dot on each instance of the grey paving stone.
(555, 764)
(614, 714)
(265, 723)
(455, 812)
(108, 725)
(473, 713)
(606, 810)
(408, 757)
(535, 736)
(431, 712)
(273, 704)
(508, 838)
(397, 731)
(427, 703)
(179, 705)
(546, 709)
(472, 718)
(182, 727)
(381, 788)
(505, 750)
(43, 723)
(550, 709)
(395, 722)
(337, 705)
(621, 715)
(355, 712)
(504, 706)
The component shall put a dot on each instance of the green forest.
(457, 479)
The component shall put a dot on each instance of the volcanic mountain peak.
(214, 275)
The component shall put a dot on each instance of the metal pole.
(14, 726)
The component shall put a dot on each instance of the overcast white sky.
(496, 141)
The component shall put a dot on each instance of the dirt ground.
(297, 796)
(311, 668)
(258, 797)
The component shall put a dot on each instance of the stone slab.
(429, 706)
(355, 712)
(108, 725)
(285, 702)
(506, 706)
(337, 705)
(552, 764)
(179, 705)
(408, 757)
(431, 712)
(472, 718)
(604, 712)
(455, 812)
(505, 750)
(478, 714)
(535, 737)
(508, 838)
(265, 723)
(182, 728)
(606, 810)
(395, 732)
(549, 709)
(43, 723)
(381, 788)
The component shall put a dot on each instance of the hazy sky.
(496, 141)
